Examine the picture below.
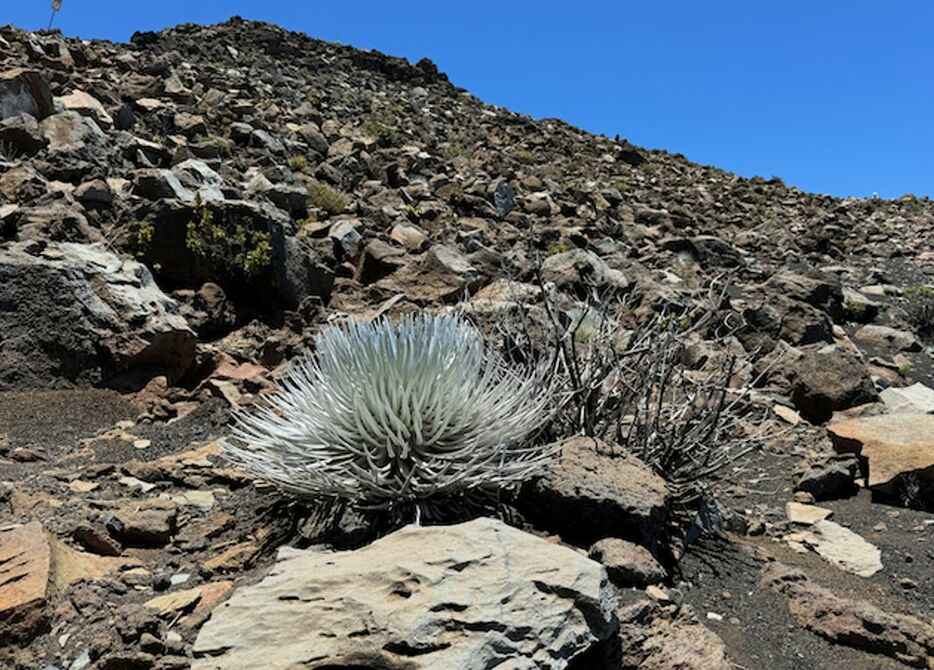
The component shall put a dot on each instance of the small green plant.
(201, 229)
(326, 199)
(140, 237)
(453, 150)
(381, 129)
(586, 324)
(919, 310)
(249, 251)
(411, 212)
(919, 295)
(298, 163)
(556, 248)
(524, 156)
(856, 309)
(307, 221)
(257, 258)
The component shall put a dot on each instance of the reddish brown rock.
(596, 490)
(854, 623)
(25, 565)
(626, 563)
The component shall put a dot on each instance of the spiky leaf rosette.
(386, 413)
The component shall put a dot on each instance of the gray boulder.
(155, 184)
(440, 274)
(20, 136)
(24, 91)
(627, 564)
(578, 269)
(886, 337)
(77, 314)
(474, 596)
(70, 132)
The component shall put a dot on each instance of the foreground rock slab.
(473, 596)
(895, 446)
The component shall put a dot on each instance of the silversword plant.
(384, 413)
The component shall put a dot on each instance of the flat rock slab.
(806, 515)
(25, 563)
(894, 445)
(473, 596)
(916, 398)
(841, 547)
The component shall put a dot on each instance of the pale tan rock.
(507, 290)
(465, 596)
(841, 547)
(232, 559)
(685, 645)
(806, 515)
(211, 595)
(894, 445)
(81, 486)
(87, 105)
(177, 601)
(787, 414)
(409, 237)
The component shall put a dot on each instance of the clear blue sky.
(833, 96)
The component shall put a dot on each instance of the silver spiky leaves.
(387, 413)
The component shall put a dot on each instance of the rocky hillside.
(180, 216)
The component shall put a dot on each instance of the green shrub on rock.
(325, 198)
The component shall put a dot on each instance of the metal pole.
(56, 5)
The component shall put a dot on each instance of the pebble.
(907, 584)
(657, 593)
